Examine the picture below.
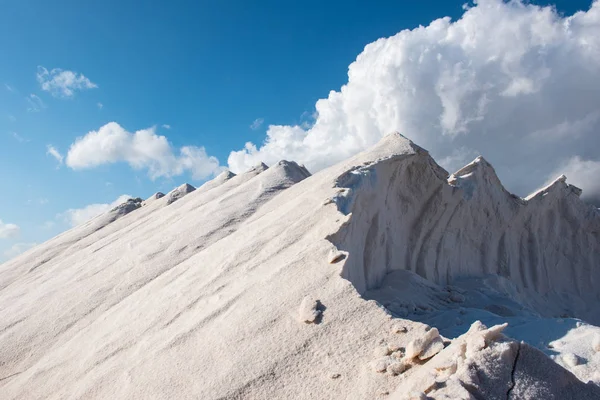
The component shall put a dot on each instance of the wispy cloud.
(19, 138)
(35, 103)
(53, 151)
(166, 126)
(18, 248)
(41, 201)
(99, 105)
(9, 88)
(48, 225)
(257, 123)
(11, 118)
(63, 83)
(9, 231)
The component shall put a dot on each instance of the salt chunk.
(336, 256)
(432, 349)
(381, 364)
(399, 329)
(393, 347)
(492, 334)
(381, 351)
(308, 310)
(570, 359)
(396, 368)
(475, 343)
(417, 346)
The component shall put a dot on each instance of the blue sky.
(199, 72)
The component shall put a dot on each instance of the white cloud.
(41, 201)
(53, 151)
(9, 88)
(458, 158)
(77, 216)
(62, 83)
(257, 123)
(19, 138)
(17, 249)
(502, 74)
(581, 173)
(166, 126)
(99, 105)
(48, 225)
(11, 118)
(143, 149)
(568, 129)
(35, 103)
(9, 231)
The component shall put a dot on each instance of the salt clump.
(308, 311)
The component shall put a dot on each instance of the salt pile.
(278, 284)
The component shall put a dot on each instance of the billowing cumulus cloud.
(62, 83)
(514, 82)
(143, 149)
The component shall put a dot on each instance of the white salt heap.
(272, 284)
(179, 192)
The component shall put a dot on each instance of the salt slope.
(222, 322)
(468, 225)
(80, 238)
(133, 253)
(199, 299)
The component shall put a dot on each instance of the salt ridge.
(469, 225)
(206, 297)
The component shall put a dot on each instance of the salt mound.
(114, 214)
(128, 206)
(469, 225)
(219, 180)
(284, 174)
(151, 199)
(208, 296)
(179, 192)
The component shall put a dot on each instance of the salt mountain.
(277, 284)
